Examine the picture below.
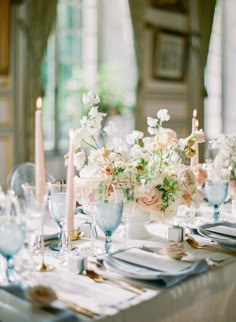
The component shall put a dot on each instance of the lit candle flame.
(39, 103)
(194, 113)
(196, 124)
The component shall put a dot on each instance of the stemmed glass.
(36, 211)
(108, 212)
(86, 189)
(12, 232)
(126, 192)
(57, 208)
(216, 188)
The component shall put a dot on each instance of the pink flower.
(201, 176)
(186, 198)
(189, 180)
(232, 186)
(150, 200)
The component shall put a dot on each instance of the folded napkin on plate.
(19, 291)
(140, 264)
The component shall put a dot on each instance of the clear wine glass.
(36, 209)
(86, 193)
(12, 232)
(57, 208)
(108, 214)
(126, 191)
(216, 188)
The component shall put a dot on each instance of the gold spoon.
(214, 248)
(125, 285)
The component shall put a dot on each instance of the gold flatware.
(122, 284)
(77, 308)
(214, 248)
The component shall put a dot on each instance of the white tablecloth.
(208, 297)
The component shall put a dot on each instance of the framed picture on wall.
(169, 55)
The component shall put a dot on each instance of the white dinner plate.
(131, 270)
(222, 232)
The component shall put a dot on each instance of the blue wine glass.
(12, 232)
(216, 192)
(108, 218)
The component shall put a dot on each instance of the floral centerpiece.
(154, 164)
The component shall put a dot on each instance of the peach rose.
(186, 198)
(150, 200)
(201, 176)
(232, 186)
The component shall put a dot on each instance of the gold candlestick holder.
(43, 267)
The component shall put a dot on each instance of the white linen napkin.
(153, 261)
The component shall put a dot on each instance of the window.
(220, 72)
(213, 78)
(88, 35)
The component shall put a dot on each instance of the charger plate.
(222, 232)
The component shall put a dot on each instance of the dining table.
(207, 294)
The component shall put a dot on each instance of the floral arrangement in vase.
(154, 164)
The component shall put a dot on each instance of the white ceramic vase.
(137, 225)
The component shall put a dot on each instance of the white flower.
(134, 137)
(151, 121)
(166, 136)
(200, 136)
(79, 159)
(90, 98)
(163, 115)
(110, 129)
(136, 152)
(221, 160)
(152, 131)
(78, 137)
(84, 121)
(119, 144)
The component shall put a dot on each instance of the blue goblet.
(108, 218)
(12, 232)
(216, 193)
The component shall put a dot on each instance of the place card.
(152, 261)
